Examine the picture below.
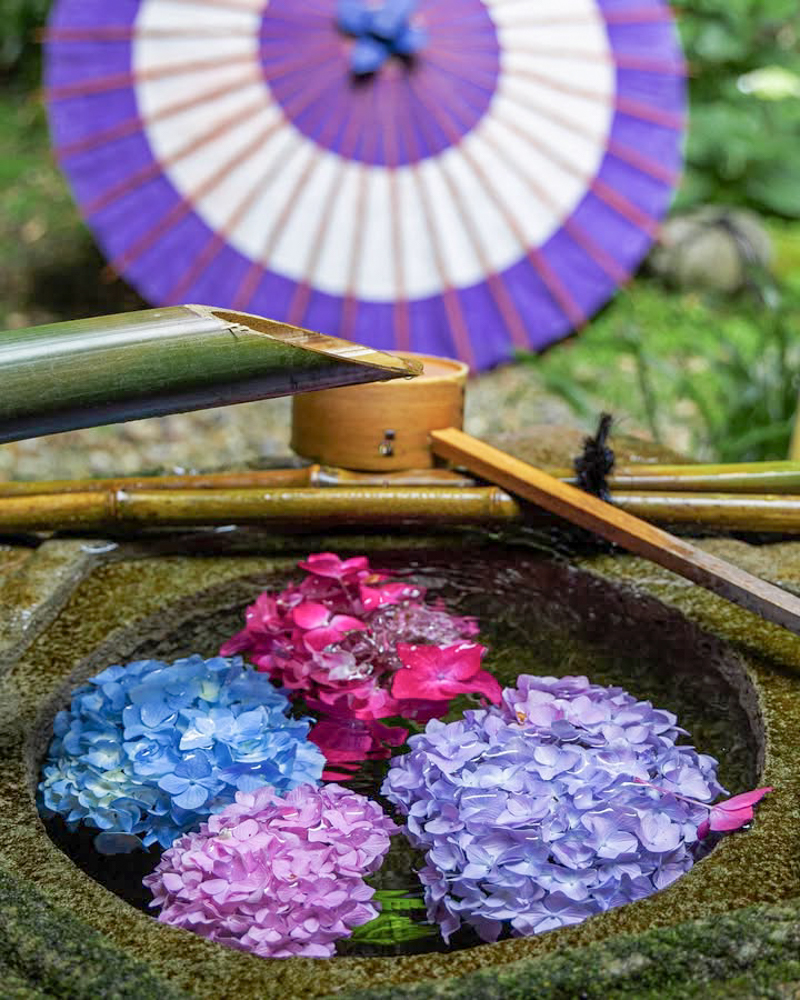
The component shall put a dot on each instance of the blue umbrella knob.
(379, 31)
(368, 55)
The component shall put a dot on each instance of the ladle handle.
(625, 530)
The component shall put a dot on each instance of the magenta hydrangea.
(277, 876)
(336, 639)
(541, 812)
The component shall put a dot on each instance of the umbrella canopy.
(458, 177)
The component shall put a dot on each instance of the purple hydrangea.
(150, 749)
(277, 876)
(535, 814)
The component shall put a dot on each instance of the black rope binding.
(596, 461)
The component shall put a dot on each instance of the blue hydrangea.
(150, 749)
(568, 799)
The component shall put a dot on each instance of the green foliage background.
(742, 147)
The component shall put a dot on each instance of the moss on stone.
(165, 605)
(751, 953)
(12, 557)
(49, 952)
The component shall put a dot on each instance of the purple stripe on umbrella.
(455, 80)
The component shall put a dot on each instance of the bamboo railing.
(132, 504)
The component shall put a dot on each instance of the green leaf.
(391, 928)
(397, 899)
(778, 190)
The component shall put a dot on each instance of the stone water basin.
(73, 606)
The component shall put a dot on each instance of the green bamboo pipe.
(743, 477)
(367, 505)
(63, 376)
(303, 507)
(719, 511)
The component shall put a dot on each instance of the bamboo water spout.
(112, 368)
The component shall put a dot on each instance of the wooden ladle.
(629, 532)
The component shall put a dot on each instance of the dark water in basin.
(537, 616)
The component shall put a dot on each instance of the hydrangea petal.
(554, 760)
(302, 886)
(148, 770)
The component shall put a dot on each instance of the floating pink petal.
(435, 673)
(328, 564)
(731, 814)
(310, 615)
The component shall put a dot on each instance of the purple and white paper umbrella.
(460, 177)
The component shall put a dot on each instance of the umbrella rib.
(630, 156)
(439, 59)
(633, 158)
(625, 105)
(250, 8)
(450, 43)
(220, 238)
(247, 288)
(121, 81)
(505, 304)
(226, 5)
(556, 288)
(350, 303)
(617, 149)
(146, 241)
(127, 184)
(185, 205)
(579, 235)
(400, 316)
(300, 298)
(152, 170)
(126, 33)
(136, 124)
(249, 284)
(634, 15)
(451, 302)
(623, 60)
(302, 293)
(323, 11)
(614, 199)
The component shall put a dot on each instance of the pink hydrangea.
(335, 639)
(276, 876)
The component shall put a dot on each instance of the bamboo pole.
(680, 481)
(107, 509)
(742, 477)
(637, 536)
(136, 506)
(777, 513)
(677, 479)
(309, 475)
(64, 376)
